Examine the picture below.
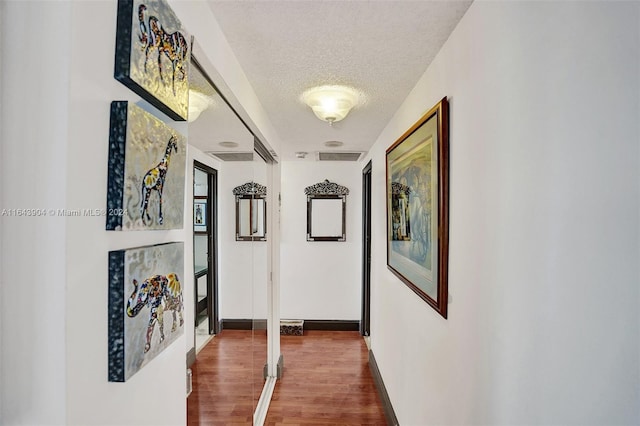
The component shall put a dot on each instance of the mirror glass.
(326, 211)
(326, 217)
(251, 212)
(251, 217)
(254, 228)
(234, 359)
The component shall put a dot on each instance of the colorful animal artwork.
(146, 181)
(153, 180)
(153, 55)
(162, 294)
(145, 293)
(172, 44)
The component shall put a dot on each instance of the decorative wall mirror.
(326, 211)
(251, 212)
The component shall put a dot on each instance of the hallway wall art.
(145, 305)
(146, 181)
(418, 207)
(200, 214)
(326, 211)
(153, 54)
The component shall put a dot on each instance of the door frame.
(212, 249)
(365, 320)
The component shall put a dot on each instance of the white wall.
(33, 137)
(543, 325)
(236, 257)
(54, 269)
(1, 206)
(243, 264)
(91, 399)
(319, 280)
(55, 354)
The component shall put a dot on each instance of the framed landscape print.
(145, 305)
(418, 207)
(146, 171)
(153, 54)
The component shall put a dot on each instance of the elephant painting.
(161, 293)
(143, 289)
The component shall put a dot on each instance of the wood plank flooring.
(326, 381)
(227, 383)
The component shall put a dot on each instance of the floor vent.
(232, 156)
(339, 156)
(292, 327)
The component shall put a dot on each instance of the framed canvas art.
(153, 54)
(200, 214)
(418, 207)
(146, 172)
(145, 305)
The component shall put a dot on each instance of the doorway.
(366, 251)
(205, 248)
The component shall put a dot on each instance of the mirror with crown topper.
(326, 211)
(251, 212)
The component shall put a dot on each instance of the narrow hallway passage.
(326, 381)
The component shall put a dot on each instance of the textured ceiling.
(381, 48)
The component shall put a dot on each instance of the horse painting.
(173, 45)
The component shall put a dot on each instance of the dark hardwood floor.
(326, 381)
(228, 379)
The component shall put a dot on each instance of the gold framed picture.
(418, 207)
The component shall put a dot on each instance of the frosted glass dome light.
(198, 103)
(331, 103)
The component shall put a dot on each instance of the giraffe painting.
(147, 163)
(153, 180)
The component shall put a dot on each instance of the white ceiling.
(379, 47)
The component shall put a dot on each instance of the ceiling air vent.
(232, 156)
(339, 156)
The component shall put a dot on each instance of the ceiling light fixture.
(333, 144)
(198, 103)
(301, 154)
(331, 103)
(229, 144)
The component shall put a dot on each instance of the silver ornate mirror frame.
(326, 211)
(251, 212)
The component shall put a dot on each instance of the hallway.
(541, 224)
(326, 381)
